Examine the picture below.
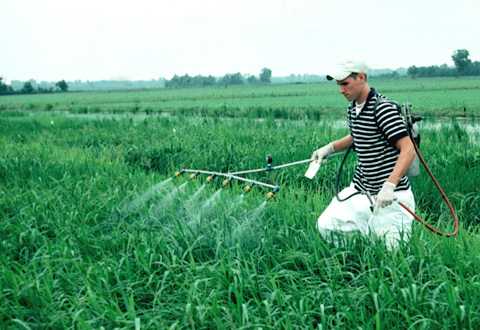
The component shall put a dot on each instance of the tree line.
(464, 66)
(60, 86)
(227, 80)
(30, 87)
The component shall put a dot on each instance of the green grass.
(430, 97)
(93, 236)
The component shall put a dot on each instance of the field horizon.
(431, 97)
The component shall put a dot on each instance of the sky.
(52, 40)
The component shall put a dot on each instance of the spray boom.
(236, 175)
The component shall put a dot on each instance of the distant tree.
(27, 88)
(4, 88)
(203, 81)
(475, 69)
(388, 75)
(178, 81)
(231, 79)
(461, 60)
(188, 81)
(431, 71)
(412, 71)
(252, 80)
(265, 75)
(45, 90)
(62, 85)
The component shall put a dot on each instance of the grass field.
(97, 233)
(430, 97)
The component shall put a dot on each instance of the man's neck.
(364, 95)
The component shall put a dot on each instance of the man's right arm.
(320, 155)
(342, 143)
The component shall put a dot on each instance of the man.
(385, 153)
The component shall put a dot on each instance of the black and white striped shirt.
(374, 142)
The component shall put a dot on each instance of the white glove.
(321, 154)
(385, 196)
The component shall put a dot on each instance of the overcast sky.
(53, 40)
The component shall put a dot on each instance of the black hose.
(339, 176)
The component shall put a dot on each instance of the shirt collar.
(371, 95)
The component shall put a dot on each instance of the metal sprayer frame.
(236, 175)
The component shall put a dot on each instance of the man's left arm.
(407, 153)
(405, 158)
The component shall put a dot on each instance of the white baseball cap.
(346, 67)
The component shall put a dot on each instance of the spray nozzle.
(370, 199)
(248, 188)
(271, 195)
(226, 183)
(193, 176)
(210, 178)
(177, 174)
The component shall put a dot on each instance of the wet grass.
(95, 233)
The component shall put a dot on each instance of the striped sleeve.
(390, 122)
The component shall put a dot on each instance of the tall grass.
(95, 234)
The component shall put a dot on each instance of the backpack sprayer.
(414, 170)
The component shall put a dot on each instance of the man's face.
(351, 87)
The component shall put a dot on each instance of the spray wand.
(236, 175)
